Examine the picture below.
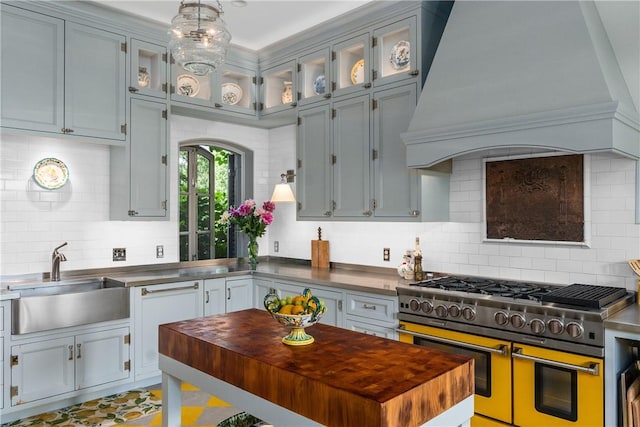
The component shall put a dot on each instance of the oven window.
(483, 362)
(556, 391)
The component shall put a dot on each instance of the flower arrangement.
(251, 220)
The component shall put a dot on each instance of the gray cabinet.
(62, 77)
(148, 69)
(239, 294)
(139, 171)
(371, 314)
(396, 52)
(278, 88)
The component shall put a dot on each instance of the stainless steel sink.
(55, 305)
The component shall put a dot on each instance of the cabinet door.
(351, 158)
(148, 72)
(148, 159)
(395, 185)
(153, 306)
(236, 90)
(278, 88)
(239, 294)
(192, 89)
(333, 300)
(261, 287)
(32, 70)
(378, 330)
(396, 52)
(314, 80)
(351, 65)
(44, 369)
(102, 357)
(95, 76)
(214, 296)
(314, 166)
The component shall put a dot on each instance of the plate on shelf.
(187, 85)
(357, 72)
(399, 57)
(319, 85)
(231, 93)
(50, 173)
(143, 77)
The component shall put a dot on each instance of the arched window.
(212, 176)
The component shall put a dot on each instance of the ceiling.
(256, 25)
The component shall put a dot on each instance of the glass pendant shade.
(199, 38)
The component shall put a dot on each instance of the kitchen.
(35, 221)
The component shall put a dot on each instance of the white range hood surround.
(523, 74)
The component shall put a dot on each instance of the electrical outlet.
(160, 251)
(276, 246)
(119, 254)
(386, 254)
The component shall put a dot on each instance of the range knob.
(441, 310)
(574, 329)
(469, 313)
(426, 306)
(555, 326)
(454, 310)
(517, 320)
(537, 326)
(501, 318)
(414, 305)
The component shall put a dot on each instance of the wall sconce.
(282, 192)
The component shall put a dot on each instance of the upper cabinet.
(395, 52)
(351, 65)
(278, 88)
(314, 78)
(148, 70)
(53, 72)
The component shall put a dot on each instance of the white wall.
(33, 221)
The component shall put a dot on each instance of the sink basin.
(55, 305)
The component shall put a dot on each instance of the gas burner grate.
(589, 296)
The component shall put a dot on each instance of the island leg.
(171, 399)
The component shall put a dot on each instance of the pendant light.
(282, 192)
(199, 38)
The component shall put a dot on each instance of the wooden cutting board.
(320, 252)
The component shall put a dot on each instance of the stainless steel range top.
(563, 317)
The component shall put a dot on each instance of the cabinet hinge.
(164, 114)
(253, 79)
(333, 86)
(374, 74)
(261, 80)
(374, 104)
(261, 104)
(255, 106)
(123, 47)
(127, 339)
(375, 204)
(172, 60)
(13, 391)
(374, 154)
(333, 55)
(299, 121)
(299, 206)
(333, 113)
(127, 365)
(164, 87)
(164, 205)
(299, 96)
(339, 305)
(132, 212)
(123, 129)
(299, 163)
(164, 57)
(163, 159)
(333, 205)
(374, 41)
(14, 360)
(172, 89)
(299, 67)
(334, 159)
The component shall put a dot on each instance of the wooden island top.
(344, 378)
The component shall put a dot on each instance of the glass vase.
(252, 247)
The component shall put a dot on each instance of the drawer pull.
(79, 356)
(145, 291)
(592, 369)
(70, 352)
(369, 307)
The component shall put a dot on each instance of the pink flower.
(269, 206)
(244, 209)
(267, 218)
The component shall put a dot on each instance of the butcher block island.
(344, 378)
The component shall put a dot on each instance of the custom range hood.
(539, 74)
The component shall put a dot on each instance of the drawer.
(1, 318)
(372, 307)
(371, 328)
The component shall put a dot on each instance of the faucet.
(56, 257)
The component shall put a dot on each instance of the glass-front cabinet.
(313, 77)
(236, 90)
(192, 89)
(148, 69)
(351, 65)
(278, 88)
(395, 48)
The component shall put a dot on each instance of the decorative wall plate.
(400, 55)
(187, 85)
(319, 85)
(231, 93)
(50, 173)
(357, 72)
(143, 77)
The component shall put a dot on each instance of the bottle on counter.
(418, 274)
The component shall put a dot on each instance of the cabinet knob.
(367, 213)
(133, 89)
(327, 213)
(366, 85)
(414, 212)
(294, 104)
(414, 72)
(217, 105)
(327, 95)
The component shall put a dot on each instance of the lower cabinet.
(155, 305)
(372, 314)
(227, 295)
(47, 368)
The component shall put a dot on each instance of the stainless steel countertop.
(626, 320)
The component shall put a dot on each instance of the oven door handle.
(501, 349)
(592, 369)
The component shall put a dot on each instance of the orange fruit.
(297, 309)
(286, 309)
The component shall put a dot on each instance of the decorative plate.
(50, 173)
(231, 93)
(187, 85)
(319, 85)
(143, 77)
(287, 93)
(357, 72)
(400, 55)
